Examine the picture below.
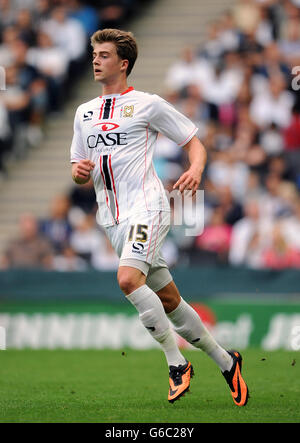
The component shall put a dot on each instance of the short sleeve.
(164, 118)
(77, 147)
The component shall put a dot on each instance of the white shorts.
(138, 241)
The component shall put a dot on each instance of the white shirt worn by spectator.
(266, 109)
(224, 88)
(69, 36)
(235, 175)
(6, 56)
(290, 228)
(86, 241)
(105, 258)
(272, 142)
(182, 74)
(50, 61)
(242, 234)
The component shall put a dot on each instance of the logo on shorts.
(138, 248)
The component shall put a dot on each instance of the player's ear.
(124, 65)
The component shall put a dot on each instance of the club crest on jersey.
(128, 111)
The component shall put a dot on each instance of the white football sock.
(153, 317)
(188, 325)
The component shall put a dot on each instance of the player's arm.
(190, 180)
(81, 171)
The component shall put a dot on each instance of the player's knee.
(170, 298)
(128, 281)
(170, 304)
(126, 285)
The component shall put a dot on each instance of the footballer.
(113, 143)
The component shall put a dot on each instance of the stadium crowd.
(241, 88)
(44, 46)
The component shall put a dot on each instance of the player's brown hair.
(125, 43)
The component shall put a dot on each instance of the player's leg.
(153, 317)
(188, 325)
(151, 312)
(142, 242)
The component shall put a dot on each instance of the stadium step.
(162, 31)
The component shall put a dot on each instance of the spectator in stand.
(86, 238)
(69, 35)
(7, 13)
(9, 36)
(290, 225)
(271, 200)
(66, 33)
(32, 81)
(214, 242)
(105, 259)
(250, 236)
(68, 261)
(247, 15)
(273, 64)
(280, 255)
(222, 88)
(231, 209)
(25, 27)
(225, 170)
(189, 70)
(57, 227)
(213, 48)
(114, 12)
(16, 102)
(86, 15)
(274, 105)
(230, 35)
(271, 140)
(52, 62)
(84, 198)
(42, 11)
(30, 249)
(290, 44)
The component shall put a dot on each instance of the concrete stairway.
(162, 31)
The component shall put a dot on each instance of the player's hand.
(189, 180)
(81, 170)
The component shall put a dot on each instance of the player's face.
(107, 65)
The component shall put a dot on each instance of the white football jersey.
(118, 133)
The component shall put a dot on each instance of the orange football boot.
(238, 387)
(179, 380)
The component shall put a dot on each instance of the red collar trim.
(131, 88)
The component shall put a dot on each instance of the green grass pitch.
(131, 387)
